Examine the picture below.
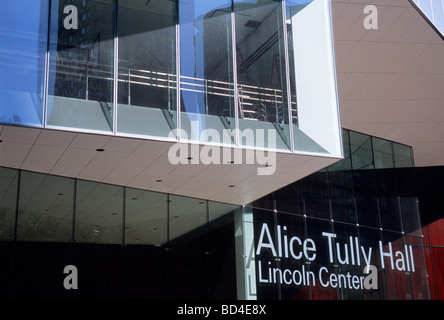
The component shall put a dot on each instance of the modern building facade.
(194, 149)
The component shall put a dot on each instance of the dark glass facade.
(133, 243)
(363, 208)
(170, 70)
(125, 243)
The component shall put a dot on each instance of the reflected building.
(89, 116)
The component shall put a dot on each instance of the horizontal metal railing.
(254, 102)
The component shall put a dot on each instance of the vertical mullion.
(287, 75)
(46, 73)
(116, 66)
(178, 93)
(74, 210)
(235, 84)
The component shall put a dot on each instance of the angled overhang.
(391, 80)
(145, 164)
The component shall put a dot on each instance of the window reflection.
(23, 40)
(45, 208)
(80, 87)
(8, 201)
(206, 79)
(147, 74)
(146, 215)
(99, 212)
(261, 75)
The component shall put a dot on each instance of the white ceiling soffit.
(144, 164)
(391, 80)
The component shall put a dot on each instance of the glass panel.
(37, 270)
(206, 80)
(410, 215)
(221, 260)
(383, 153)
(145, 217)
(45, 208)
(99, 212)
(23, 42)
(369, 239)
(418, 273)
(297, 286)
(349, 261)
(316, 197)
(340, 179)
(315, 228)
(261, 75)
(144, 272)
(396, 286)
(288, 199)
(364, 180)
(100, 271)
(266, 255)
(8, 202)
(188, 245)
(147, 67)
(403, 156)
(361, 151)
(80, 89)
(312, 71)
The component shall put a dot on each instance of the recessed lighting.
(100, 150)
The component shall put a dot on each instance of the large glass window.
(45, 208)
(146, 216)
(147, 67)
(188, 245)
(206, 79)
(364, 179)
(261, 73)
(8, 202)
(99, 212)
(23, 42)
(81, 66)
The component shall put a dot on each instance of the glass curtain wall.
(147, 67)
(23, 42)
(81, 65)
(178, 70)
(368, 200)
(125, 242)
(206, 76)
